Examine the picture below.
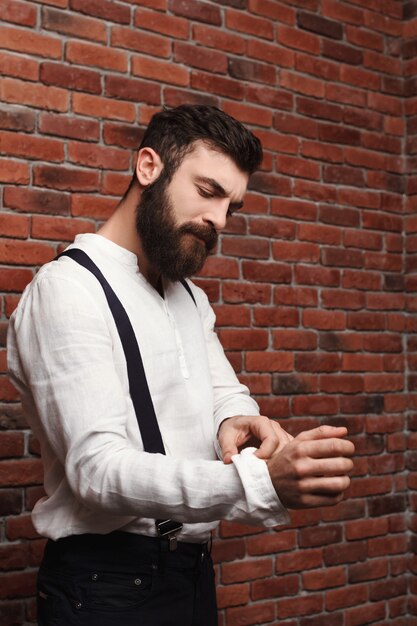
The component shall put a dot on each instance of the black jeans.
(122, 579)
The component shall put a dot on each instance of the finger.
(325, 467)
(325, 485)
(272, 437)
(228, 445)
(311, 501)
(322, 432)
(327, 448)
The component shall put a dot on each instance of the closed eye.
(205, 193)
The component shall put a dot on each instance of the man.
(129, 523)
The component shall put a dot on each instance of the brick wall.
(410, 230)
(314, 284)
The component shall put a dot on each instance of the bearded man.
(140, 417)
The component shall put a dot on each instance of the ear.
(148, 166)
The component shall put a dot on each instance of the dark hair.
(172, 133)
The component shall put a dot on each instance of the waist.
(119, 549)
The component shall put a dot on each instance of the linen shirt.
(66, 359)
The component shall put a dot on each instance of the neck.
(121, 229)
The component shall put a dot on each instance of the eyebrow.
(218, 190)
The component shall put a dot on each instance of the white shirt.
(66, 359)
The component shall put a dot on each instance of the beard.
(176, 251)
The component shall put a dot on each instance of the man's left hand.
(257, 430)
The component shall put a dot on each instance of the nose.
(216, 215)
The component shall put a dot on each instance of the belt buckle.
(168, 529)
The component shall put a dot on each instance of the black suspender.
(138, 385)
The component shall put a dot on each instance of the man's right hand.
(312, 469)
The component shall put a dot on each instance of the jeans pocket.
(115, 591)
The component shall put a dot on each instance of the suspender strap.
(138, 386)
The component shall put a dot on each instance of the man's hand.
(312, 470)
(256, 430)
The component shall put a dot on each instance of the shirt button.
(78, 605)
(94, 577)
(138, 581)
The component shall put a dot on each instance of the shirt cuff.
(264, 505)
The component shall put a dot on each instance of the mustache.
(207, 233)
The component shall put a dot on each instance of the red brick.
(114, 183)
(74, 128)
(14, 118)
(365, 38)
(98, 156)
(346, 95)
(23, 40)
(20, 528)
(310, 275)
(318, 362)
(36, 201)
(40, 96)
(275, 587)
(169, 25)
(232, 595)
(248, 615)
(70, 77)
(111, 11)
(195, 10)
(215, 38)
(132, 89)
(295, 38)
(243, 69)
(269, 362)
(12, 443)
(299, 560)
(95, 207)
(315, 405)
(349, 596)
(288, 123)
(25, 252)
(32, 147)
(95, 106)
(296, 252)
(218, 267)
(217, 84)
(294, 340)
(294, 166)
(294, 209)
(271, 316)
(266, 272)
(13, 280)
(302, 605)
(17, 584)
(14, 172)
(155, 45)
(21, 472)
(269, 8)
(163, 71)
(268, 52)
(94, 55)
(18, 67)
(16, 226)
(276, 98)
(302, 84)
(295, 296)
(343, 175)
(242, 572)
(228, 550)
(18, 13)
(319, 579)
(13, 556)
(202, 58)
(246, 23)
(246, 339)
(65, 179)
(77, 25)
(58, 228)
